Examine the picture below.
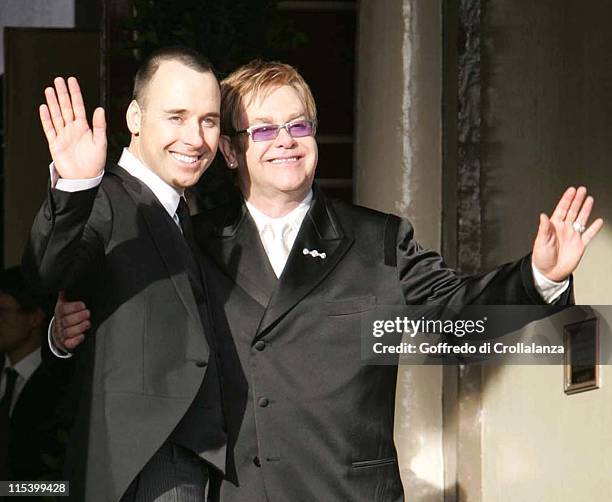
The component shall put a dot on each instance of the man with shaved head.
(150, 424)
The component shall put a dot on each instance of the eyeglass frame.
(284, 126)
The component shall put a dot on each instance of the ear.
(133, 117)
(229, 151)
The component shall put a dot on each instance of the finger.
(75, 319)
(99, 126)
(58, 338)
(77, 98)
(563, 205)
(77, 330)
(585, 211)
(73, 343)
(67, 308)
(572, 212)
(64, 100)
(47, 124)
(54, 109)
(592, 231)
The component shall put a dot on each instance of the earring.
(232, 164)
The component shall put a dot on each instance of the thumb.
(544, 230)
(99, 126)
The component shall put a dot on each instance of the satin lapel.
(237, 249)
(163, 232)
(320, 231)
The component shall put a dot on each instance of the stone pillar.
(398, 161)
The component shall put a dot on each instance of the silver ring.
(578, 227)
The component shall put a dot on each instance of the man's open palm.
(78, 152)
(563, 238)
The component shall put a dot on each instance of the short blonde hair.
(254, 79)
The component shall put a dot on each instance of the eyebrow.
(182, 111)
(270, 120)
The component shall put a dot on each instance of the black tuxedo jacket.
(307, 420)
(145, 358)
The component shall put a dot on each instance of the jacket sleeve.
(68, 238)
(426, 279)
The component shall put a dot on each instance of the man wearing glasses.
(306, 419)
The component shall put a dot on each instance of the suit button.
(256, 461)
(260, 345)
(263, 402)
(201, 364)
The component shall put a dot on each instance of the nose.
(193, 135)
(284, 139)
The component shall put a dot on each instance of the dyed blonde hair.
(257, 79)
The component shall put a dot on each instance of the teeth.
(281, 161)
(187, 159)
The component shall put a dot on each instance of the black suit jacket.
(146, 355)
(307, 420)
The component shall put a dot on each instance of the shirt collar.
(167, 195)
(294, 218)
(27, 366)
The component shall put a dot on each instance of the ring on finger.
(578, 227)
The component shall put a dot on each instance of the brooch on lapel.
(314, 253)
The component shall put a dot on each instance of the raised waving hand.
(562, 239)
(78, 151)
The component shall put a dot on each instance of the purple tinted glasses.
(267, 132)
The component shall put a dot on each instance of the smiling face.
(279, 172)
(175, 130)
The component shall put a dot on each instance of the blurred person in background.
(32, 386)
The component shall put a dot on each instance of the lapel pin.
(314, 253)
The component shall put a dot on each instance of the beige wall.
(539, 443)
(398, 169)
(547, 125)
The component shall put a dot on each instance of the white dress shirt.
(278, 234)
(25, 369)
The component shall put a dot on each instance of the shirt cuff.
(549, 290)
(72, 185)
(54, 348)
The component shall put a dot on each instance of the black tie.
(182, 211)
(193, 269)
(11, 379)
